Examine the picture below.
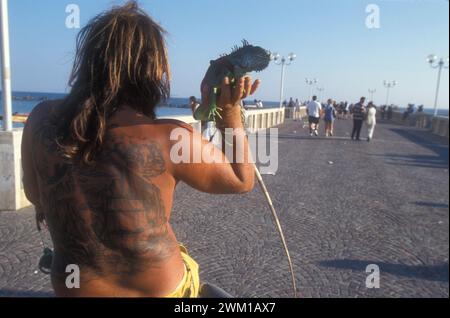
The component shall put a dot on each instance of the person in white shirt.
(371, 120)
(314, 110)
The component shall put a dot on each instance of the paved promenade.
(343, 205)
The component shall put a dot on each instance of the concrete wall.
(12, 196)
(437, 125)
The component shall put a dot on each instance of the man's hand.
(230, 97)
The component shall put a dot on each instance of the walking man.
(358, 112)
(314, 110)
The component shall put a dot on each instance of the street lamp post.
(440, 64)
(372, 92)
(311, 82)
(389, 85)
(283, 61)
(6, 66)
(320, 90)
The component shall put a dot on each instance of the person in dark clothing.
(383, 112)
(291, 103)
(358, 112)
(390, 112)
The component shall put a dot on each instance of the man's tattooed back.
(108, 217)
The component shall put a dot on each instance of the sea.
(24, 103)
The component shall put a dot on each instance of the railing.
(255, 120)
(264, 118)
(439, 126)
(296, 113)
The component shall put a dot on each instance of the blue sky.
(330, 38)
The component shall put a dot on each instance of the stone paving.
(343, 205)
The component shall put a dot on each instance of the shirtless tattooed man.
(97, 164)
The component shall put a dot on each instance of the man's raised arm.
(209, 169)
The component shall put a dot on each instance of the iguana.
(240, 62)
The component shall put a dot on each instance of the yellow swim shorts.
(190, 285)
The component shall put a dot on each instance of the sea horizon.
(174, 106)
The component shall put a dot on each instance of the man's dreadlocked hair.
(121, 59)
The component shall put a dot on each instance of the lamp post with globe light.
(389, 85)
(372, 92)
(440, 64)
(320, 90)
(311, 82)
(283, 61)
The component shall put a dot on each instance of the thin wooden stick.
(278, 224)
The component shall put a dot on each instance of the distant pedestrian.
(340, 110)
(330, 116)
(291, 103)
(371, 120)
(345, 108)
(193, 104)
(383, 111)
(390, 112)
(350, 110)
(358, 112)
(409, 111)
(314, 110)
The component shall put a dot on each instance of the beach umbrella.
(6, 66)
